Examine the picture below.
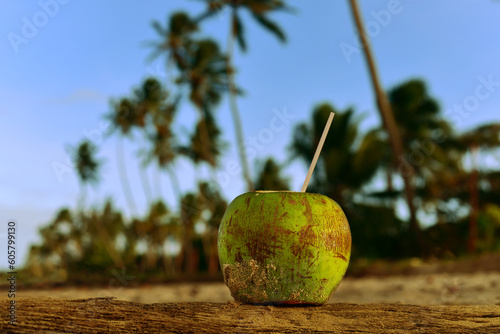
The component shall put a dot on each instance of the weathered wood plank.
(109, 315)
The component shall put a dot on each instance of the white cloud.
(79, 95)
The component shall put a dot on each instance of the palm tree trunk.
(238, 128)
(205, 243)
(185, 258)
(157, 183)
(123, 176)
(388, 176)
(145, 184)
(385, 110)
(166, 265)
(81, 198)
(213, 263)
(474, 202)
(174, 182)
(151, 257)
(206, 144)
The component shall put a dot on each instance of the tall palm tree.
(198, 151)
(427, 137)
(150, 99)
(389, 123)
(123, 117)
(190, 212)
(86, 165)
(190, 209)
(213, 206)
(163, 148)
(428, 142)
(206, 206)
(201, 66)
(194, 61)
(259, 9)
(206, 76)
(175, 36)
(137, 112)
(154, 231)
(162, 227)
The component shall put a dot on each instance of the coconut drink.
(284, 247)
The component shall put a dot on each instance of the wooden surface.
(109, 315)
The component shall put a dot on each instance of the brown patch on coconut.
(248, 281)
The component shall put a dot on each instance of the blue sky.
(56, 84)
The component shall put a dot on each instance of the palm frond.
(238, 31)
(159, 29)
(270, 26)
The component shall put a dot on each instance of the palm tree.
(123, 117)
(150, 100)
(213, 206)
(86, 165)
(163, 148)
(175, 36)
(259, 10)
(55, 240)
(218, 206)
(389, 123)
(341, 168)
(195, 63)
(206, 76)
(107, 225)
(482, 138)
(163, 227)
(344, 170)
(190, 212)
(154, 230)
(200, 65)
(427, 137)
(419, 120)
(35, 263)
(71, 242)
(137, 112)
(198, 151)
(472, 188)
(205, 207)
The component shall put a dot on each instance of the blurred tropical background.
(127, 128)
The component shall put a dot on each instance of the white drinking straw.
(318, 151)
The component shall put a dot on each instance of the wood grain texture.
(109, 315)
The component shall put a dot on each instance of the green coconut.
(283, 247)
